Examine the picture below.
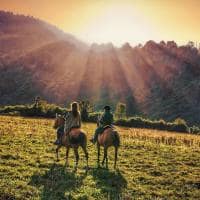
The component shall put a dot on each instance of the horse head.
(59, 121)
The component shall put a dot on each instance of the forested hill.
(159, 80)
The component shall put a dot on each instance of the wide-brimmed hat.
(107, 107)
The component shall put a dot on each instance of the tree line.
(41, 108)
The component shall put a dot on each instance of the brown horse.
(73, 139)
(108, 138)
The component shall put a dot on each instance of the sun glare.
(118, 24)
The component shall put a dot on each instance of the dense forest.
(155, 80)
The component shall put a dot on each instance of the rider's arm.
(112, 119)
(102, 119)
(79, 120)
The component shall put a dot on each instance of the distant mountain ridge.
(158, 80)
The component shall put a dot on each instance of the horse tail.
(116, 139)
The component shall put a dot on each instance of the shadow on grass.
(4, 196)
(111, 183)
(57, 183)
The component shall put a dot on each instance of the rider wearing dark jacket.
(105, 120)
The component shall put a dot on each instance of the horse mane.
(61, 116)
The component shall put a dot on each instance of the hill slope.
(159, 80)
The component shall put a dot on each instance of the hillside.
(151, 165)
(158, 80)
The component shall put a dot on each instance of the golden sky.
(117, 21)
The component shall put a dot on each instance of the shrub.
(120, 111)
(85, 108)
(93, 117)
(49, 110)
(195, 130)
(14, 113)
(139, 122)
(43, 110)
(179, 128)
(180, 121)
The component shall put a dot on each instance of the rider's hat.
(107, 107)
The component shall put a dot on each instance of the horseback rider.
(105, 120)
(72, 120)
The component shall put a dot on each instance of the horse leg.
(67, 156)
(98, 154)
(105, 157)
(57, 149)
(86, 154)
(77, 158)
(116, 152)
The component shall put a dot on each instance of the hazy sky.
(117, 21)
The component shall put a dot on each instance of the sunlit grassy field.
(152, 165)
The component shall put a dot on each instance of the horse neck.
(62, 122)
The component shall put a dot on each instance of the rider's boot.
(57, 142)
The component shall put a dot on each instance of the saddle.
(107, 126)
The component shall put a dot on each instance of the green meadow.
(152, 164)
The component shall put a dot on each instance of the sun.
(118, 24)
